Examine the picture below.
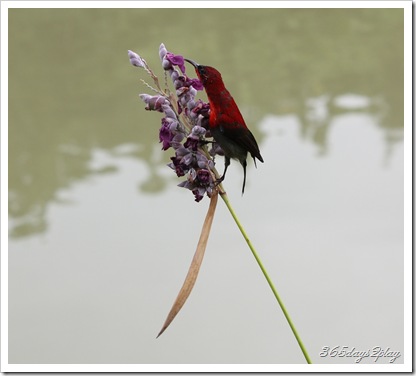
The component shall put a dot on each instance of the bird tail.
(244, 181)
(259, 157)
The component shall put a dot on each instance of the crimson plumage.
(226, 123)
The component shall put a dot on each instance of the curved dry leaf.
(195, 265)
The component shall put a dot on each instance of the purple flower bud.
(198, 193)
(176, 142)
(181, 161)
(201, 108)
(178, 167)
(135, 59)
(191, 143)
(179, 83)
(191, 105)
(193, 140)
(199, 181)
(183, 100)
(165, 136)
(204, 177)
(166, 64)
(198, 131)
(154, 103)
(162, 51)
(173, 124)
(182, 152)
(187, 159)
(168, 111)
(174, 75)
(192, 91)
(202, 161)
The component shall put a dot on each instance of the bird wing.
(236, 131)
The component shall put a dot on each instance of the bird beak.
(193, 63)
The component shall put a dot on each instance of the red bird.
(226, 123)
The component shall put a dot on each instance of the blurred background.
(101, 238)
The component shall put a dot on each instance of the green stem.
(266, 275)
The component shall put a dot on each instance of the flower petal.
(176, 60)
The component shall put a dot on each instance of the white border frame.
(408, 200)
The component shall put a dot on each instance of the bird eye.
(202, 70)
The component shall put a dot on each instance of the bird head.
(207, 75)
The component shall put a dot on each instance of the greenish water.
(101, 237)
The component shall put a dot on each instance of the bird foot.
(219, 180)
(205, 142)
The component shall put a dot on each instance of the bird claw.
(219, 180)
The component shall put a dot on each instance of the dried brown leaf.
(195, 265)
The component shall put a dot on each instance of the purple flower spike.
(176, 60)
(184, 127)
(135, 59)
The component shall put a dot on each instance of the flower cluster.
(184, 124)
